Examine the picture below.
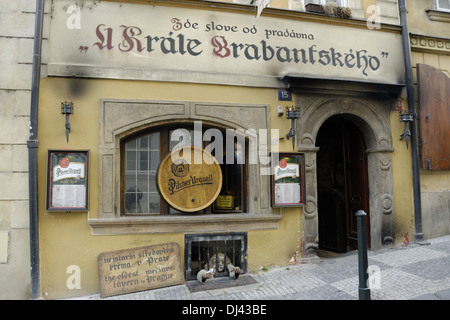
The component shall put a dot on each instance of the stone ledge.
(437, 15)
(184, 223)
(430, 44)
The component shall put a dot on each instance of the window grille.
(200, 249)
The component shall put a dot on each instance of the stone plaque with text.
(139, 269)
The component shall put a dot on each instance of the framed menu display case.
(67, 180)
(288, 184)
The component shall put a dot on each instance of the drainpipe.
(418, 235)
(32, 145)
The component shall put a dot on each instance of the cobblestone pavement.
(417, 271)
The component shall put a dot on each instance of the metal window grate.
(200, 249)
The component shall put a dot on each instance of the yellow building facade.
(138, 74)
(430, 48)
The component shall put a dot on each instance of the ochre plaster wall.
(66, 238)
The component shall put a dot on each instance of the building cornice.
(431, 44)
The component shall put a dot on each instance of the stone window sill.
(183, 224)
(436, 15)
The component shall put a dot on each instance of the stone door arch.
(371, 116)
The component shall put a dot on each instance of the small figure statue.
(204, 275)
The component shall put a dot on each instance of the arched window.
(142, 153)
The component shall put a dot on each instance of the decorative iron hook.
(67, 109)
(292, 113)
(406, 118)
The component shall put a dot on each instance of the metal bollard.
(363, 290)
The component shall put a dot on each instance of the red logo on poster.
(64, 162)
(282, 163)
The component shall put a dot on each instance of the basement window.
(203, 250)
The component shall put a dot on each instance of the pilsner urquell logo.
(65, 169)
(64, 163)
(180, 168)
(193, 181)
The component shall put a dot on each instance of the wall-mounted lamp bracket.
(406, 118)
(67, 109)
(292, 113)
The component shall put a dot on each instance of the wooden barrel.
(189, 179)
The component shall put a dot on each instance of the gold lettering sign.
(139, 269)
(224, 202)
(189, 179)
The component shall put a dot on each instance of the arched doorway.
(372, 118)
(342, 183)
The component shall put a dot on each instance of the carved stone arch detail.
(387, 204)
(310, 207)
(372, 117)
(385, 163)
(345, 104)
(308, 139)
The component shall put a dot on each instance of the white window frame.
(437, 6)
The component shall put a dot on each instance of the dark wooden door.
(342, 182)
(356, 182)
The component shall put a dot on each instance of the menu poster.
(67, 186)
(288, 185)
